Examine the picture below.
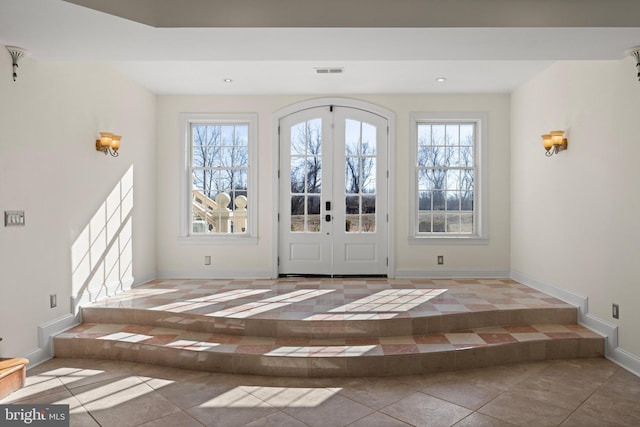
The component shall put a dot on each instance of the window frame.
(479, 235)
(187, 120)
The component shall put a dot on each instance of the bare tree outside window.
(360, 176)
(220, 162)
(306, 176)
(446, 177)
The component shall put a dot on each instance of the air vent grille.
(329, 70)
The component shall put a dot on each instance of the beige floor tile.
(124, 401)
(181, 419)
(116, 393)
(376, 393)
(619, 410)
(235, 407)
(623, 384)
(187, 394)
(479, 420)
(421, 409)
(567, 390)
(378, 420)
(82, 420)
(335, 411)
(277, 419)
(501, 377)
(522, 409)
(292, 397)
(582, 418)
(462, 393)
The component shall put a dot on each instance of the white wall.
(49, 120)
(179, 259)
(574, 216)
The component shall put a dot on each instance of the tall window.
(220, 198)
(446, 192)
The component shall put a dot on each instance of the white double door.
(333, 192)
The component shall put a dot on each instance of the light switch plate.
(14, 218)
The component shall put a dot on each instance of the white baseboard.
(580, 301)
(215, 274)
(107, 289)
(46, 332)
(411, 273)
(614, 353)
(628, 361)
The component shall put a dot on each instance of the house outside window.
(219, 199)
(447, 194)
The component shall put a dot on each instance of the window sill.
(448, 240)
(219, 240)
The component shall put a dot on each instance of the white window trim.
(480, 235)
(185, 234)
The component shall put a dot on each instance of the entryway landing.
(330, 327)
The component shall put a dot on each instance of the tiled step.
(318, 357)
(331, 324)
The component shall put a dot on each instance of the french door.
(333, 192)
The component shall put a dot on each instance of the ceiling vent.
(329, 70)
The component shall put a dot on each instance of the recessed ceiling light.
(228, 80)
(441, 79)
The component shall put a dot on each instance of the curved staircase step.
(335, 356)
(331, 325)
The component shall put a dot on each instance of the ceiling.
(186, 47)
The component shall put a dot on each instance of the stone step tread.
(328, 325)
(328, 347)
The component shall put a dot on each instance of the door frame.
(339, 102)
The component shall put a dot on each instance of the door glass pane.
(313, 214)
(314, 174)
(368, 169)
(360, 176)
(297, 175)
(369, 214)
(305, 167)
(352, 205)
(368, 139)
(352, 175)
(314, 137)
(297, 213)
(298, 139)
(352, 137)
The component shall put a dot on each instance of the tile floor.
(334, 347)
(302, 298)
(329, 327)
(585, 392)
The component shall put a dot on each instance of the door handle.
(327, 206)
(327, 218)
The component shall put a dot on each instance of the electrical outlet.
(615, 311)
(440, 259)
(53, 300)
(207, 260)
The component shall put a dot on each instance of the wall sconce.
(16, 53)
(635, 52)
(554, 142)
(108, 143)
